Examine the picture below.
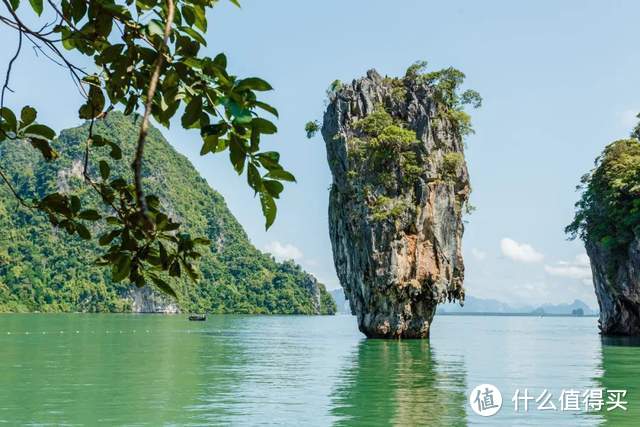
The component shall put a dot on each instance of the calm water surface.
(247, 370)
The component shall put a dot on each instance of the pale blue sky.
(559, 79)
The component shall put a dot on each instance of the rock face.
(400, 184)
(146, 300)
(617, 285)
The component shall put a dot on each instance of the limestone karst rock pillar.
(400, 185)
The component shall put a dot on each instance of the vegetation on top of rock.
(608, 212)
(386, 152)
(451, 101)
(42, 269)
(446, 85)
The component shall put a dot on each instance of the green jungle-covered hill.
(44, 269)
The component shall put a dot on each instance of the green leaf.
(105, 170)
(75, 203)
(163, 286)
(253, 177)
(36, 5)
(274, 188)
(78, 9)
(254, 83)
(43, 146)
(188, 14)
(194, 35)
(191, 272)
(121, 268)
(270, 160)
(27, 116)
(9, 121)
(263, 125)
(14, 4)
(281, 174)
(210, 144)
(107, 238)
(200, 19)
(269, 209)
(155, 28)
(90, 215)
(94, 105)
(192, 112)
(116, 152)
(237, 156)
(174, 270)
(39, 131)
(267, 107)
(220, 61)
(82, 231)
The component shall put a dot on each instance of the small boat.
(198, 317)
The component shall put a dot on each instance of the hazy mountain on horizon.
(482, 305)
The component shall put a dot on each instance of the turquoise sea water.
(247, 370)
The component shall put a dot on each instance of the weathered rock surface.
(395, 216)
(147, 300)
(617, 284)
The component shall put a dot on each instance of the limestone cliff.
(608, 221)
(617, 285)
(400, 184)
(148, 300)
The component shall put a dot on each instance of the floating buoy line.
(133, 331)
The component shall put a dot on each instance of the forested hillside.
(44, 269)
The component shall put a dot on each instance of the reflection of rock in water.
(400, 383)
(621, 371)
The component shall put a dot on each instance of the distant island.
(475, 305)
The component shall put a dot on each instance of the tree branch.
(144, 126)
(23, 29)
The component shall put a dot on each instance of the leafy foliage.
(47, 271)
(451, 101)
(636, 130)
(311, 128)
(147, 56)
(451, 162)
(608, 212)
(384, 208)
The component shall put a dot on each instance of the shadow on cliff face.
(399, 383)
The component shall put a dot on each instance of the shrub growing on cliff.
(608, 212)
(384, 208)
(311, 128)
(451, 102)
(450, 164)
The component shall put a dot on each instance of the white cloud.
(583, 260)
(519, 251)
(580, 268)
(478, 254)
(284, 251)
